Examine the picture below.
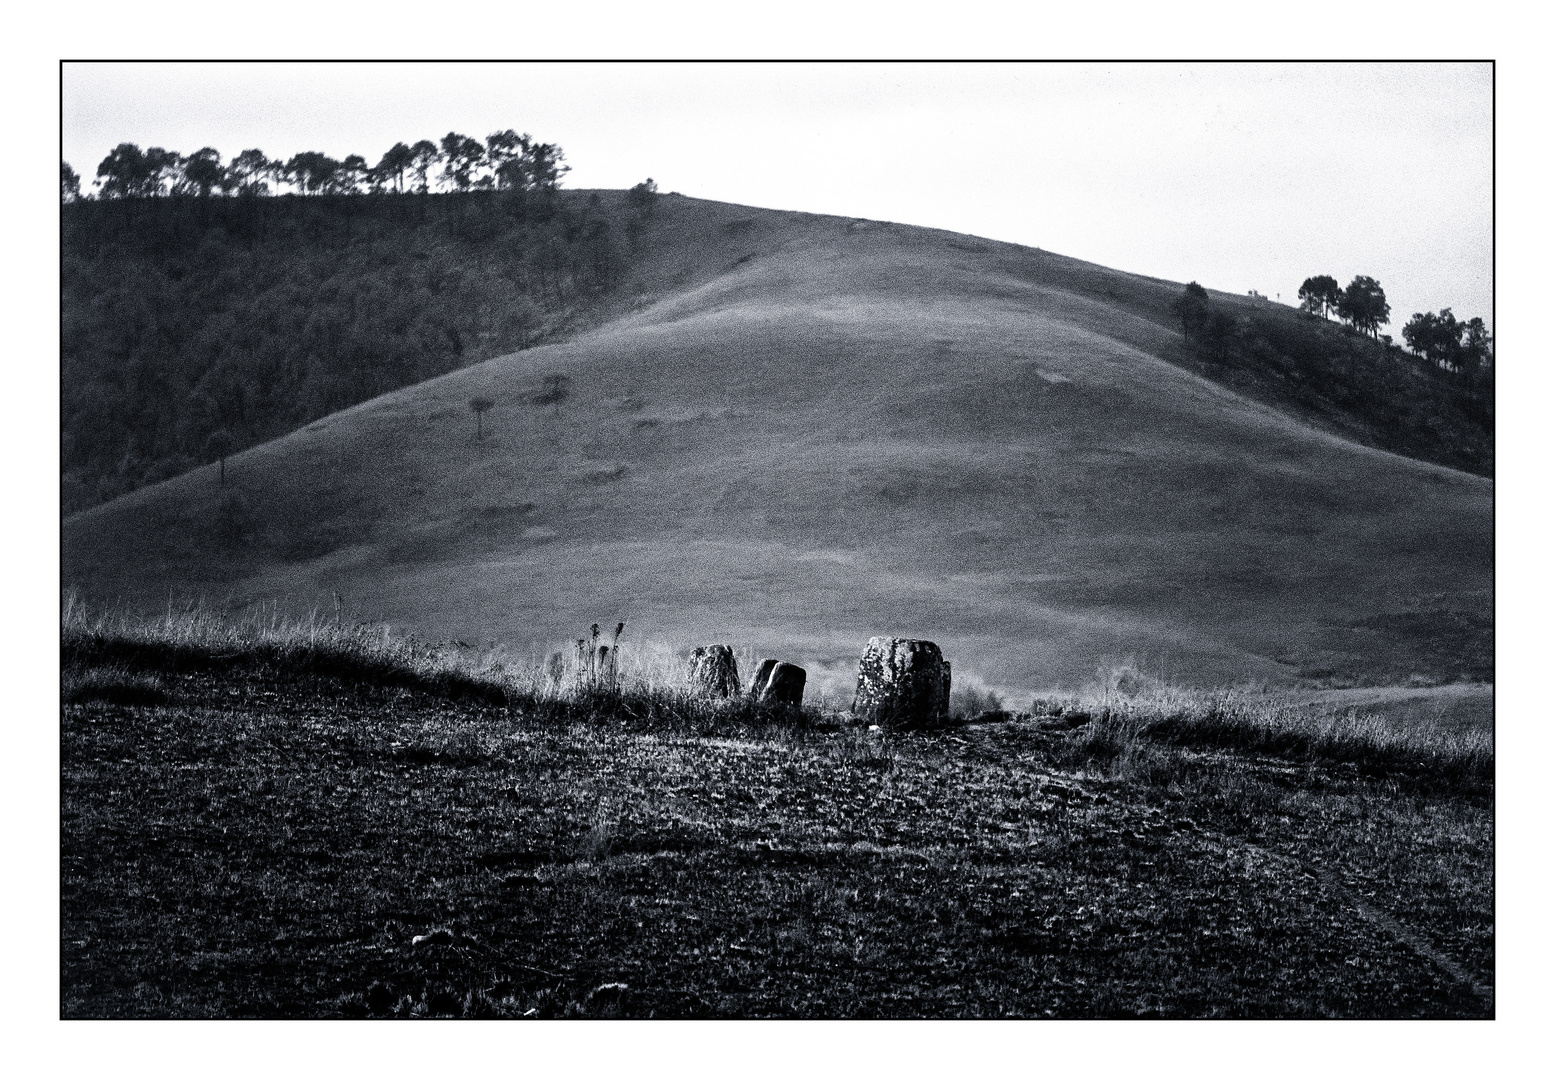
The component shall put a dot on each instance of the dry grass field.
(800, 431)
(267, 818)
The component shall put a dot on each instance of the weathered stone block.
(902, 683)
(762, 677)
(778, 682)
(714, 671)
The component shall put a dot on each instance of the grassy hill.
(801, 431)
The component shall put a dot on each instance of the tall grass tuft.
(194, 635)
(643, 684)
(1115, 720)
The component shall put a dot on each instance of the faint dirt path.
(1383, 921)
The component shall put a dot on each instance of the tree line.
(1462, 348)
(1465, 348)
(1362, 304)
(505, 161)
(1435, 402)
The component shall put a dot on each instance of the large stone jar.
(902, 683)
(714, 671)
(778, 682)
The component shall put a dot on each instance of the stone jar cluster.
(716, 673)
(902, 683)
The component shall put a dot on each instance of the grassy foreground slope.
(265, 819)
(813, 430)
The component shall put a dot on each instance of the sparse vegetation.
(117, 684)
(1111, 725)
(1371, 391)
(337, 816)
(649, 685)
(653, 685)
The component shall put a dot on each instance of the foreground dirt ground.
(245, 845)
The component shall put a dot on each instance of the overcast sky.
(1240, 176)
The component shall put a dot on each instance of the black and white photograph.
(732, 540)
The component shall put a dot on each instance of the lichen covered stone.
(902, 683)
(714, 671)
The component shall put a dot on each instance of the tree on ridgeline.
(350, 177)
(423, 156)
(1364, 305)
(69, 183)
(310, 171)
(1435, 336)
(1479, 347)
(642, 196)
(1460, 347)
(1192, 307)
(250, 172)
(462, 156)
(123, 173)
(201, 173)
(1319, 295)
(505, 157)
(507, 161)
(162, 170)
(395, 161)
(544, 166)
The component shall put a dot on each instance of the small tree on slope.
(1319, 295)
(1193, 308)
(479, 407)
(219, 446)
(1364, 305)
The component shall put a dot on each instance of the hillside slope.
(813, 430)
(193, 322)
